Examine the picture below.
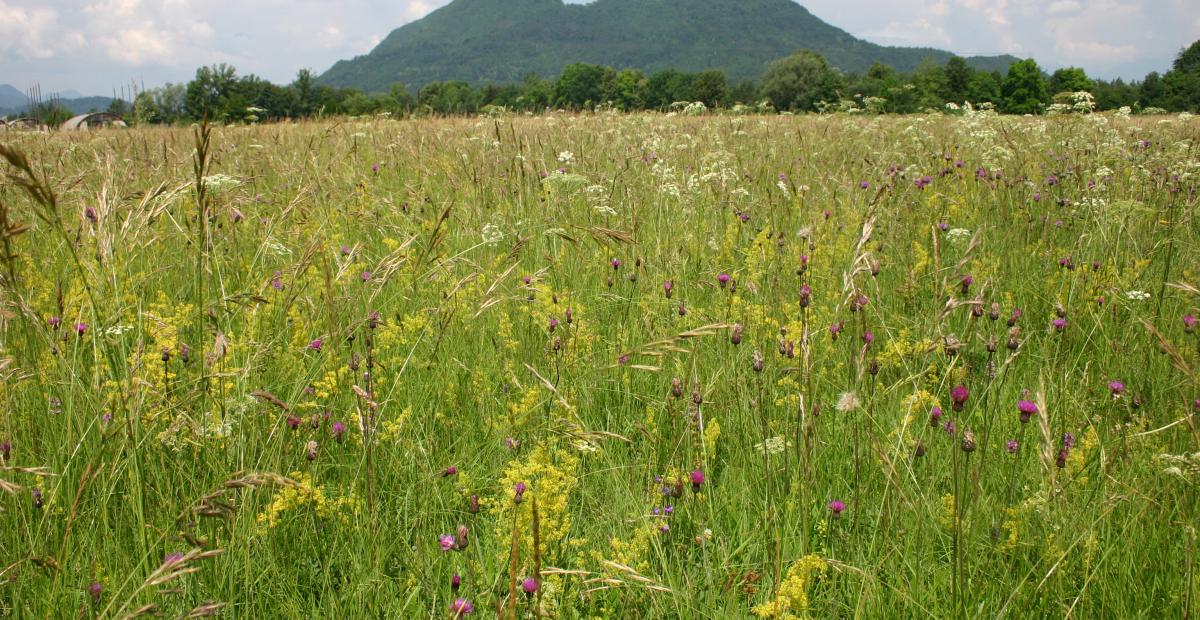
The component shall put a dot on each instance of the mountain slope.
(10, 97)
(497, 41)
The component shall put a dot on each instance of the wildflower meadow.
(603, 365)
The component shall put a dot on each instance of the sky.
(96, 46)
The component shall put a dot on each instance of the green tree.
(800, 81)
(709, 87)
(209, 92)
(958, 80)
(1024, 88)
(628, 90)
(668, 86)
(1152, 92)
(582, 85)
(1070, 80)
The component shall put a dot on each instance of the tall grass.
(319, 369)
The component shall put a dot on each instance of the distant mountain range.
(14, 103)
(501, 41)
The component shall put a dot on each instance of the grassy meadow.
(603, 366)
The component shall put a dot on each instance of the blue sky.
(94, 46)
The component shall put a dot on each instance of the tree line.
(802, 82)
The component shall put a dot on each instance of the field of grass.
(603, 366)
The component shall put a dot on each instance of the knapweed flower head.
(529, 586)
(616, 263)
(81, 328)
(461, 607)
(310, 450)
(518, 492)
(967, 281)
(1116, 388)
(836, 507)
(1189, 323)
(95, 590)
(1059, 324)
(723, 279)
(735, 333)
(935, 416)
(449, 471)
(968, 440)
(697, 478)
(1027, 409)
(55, 322)
(668, 287)
(315, 345)
(1011, 446)
(455, 582)
(553, 324)
(959, 395)
(5, 450)
(805, 296)
(446, 542)
(339, 431)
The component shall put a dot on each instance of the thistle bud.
(757, 361)
(461, 540)
(473, 504)
(735, 335)
(994, 313)
(310, 450)
(676, 387)
(968, 440)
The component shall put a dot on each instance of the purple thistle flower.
(735, 335)
(339, 430)
(315, 345)
(449, 471)
(1011, 446)
(1116, 387)
(1059, 324)
(36, 494)
(446, 542)
(935, 415)
(553, 324)
(697, 477)
(56, 321)
(1068, 441)
(943, 226)
(834, 330)
(836, 507)
(1028, 409)
(529, 586)
(95, 589)
(1189, 323)
(366, 275)
(959, 395)
(967, 281)
(5, 450)
(949, 427)
(868, 337)
(172, 558)
(518, 492)
(668, 286)
(723, 279)
(1051, 180)
(805, 296)
(81, 328)
(616, 263)
(90, 214)
(461, 607)
(864, 185)
(455, 583)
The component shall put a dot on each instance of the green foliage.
(582, 85)
(1070, 80)
(800, 81)
(1024, 89)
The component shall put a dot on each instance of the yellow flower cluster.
(791, 597)
(549, 477)
(304, 494)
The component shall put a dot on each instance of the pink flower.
(461, 607)
(1027, 408)
(446, 542)
(836, 507)
(1116, 387)
(1189, 323)
(959, 395)
(723, 279)
(1059, 324)
(315, 345)
(697, 477)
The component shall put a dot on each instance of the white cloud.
(34, 32)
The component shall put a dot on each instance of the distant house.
(30, 124)
(93, 120)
